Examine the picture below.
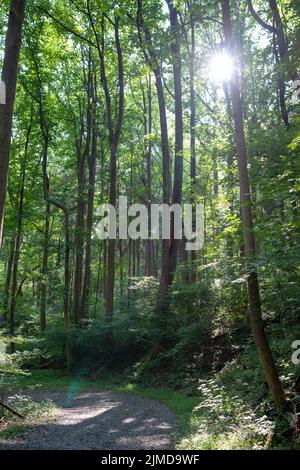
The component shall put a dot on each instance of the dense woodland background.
(121, 99)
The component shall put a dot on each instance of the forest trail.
(99, 421)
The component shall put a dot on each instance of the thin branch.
(262, 23)
(11, 410)
(71, 31)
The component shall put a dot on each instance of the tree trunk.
(9, 77)
(147, 105)
(281, 88)
(8, 277)
(79, 240)
(230, 179)
(193, 134)
(178, 169)
(260, 338)
(104, 284)
(44, 271)
(121, 268)
(66, 278)
(153, 63)
(114, 130)
(14, 287)
(89, 223)
(278, 31)
(114, 143)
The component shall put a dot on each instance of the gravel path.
(99, 421)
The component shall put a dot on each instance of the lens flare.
(221, 67)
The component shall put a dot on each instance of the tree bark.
(178, 167)
(79, 237)
(44, 271)
(193, 132)
(278, 31)
(8, 277)
(151, 58)
(90, 215)
(259, 334)
(67, 277)
(13, 300)
(114, 143)
(83, 155)
(114, 130)
(9, 77)
(147, 108)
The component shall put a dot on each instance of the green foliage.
(201, 345)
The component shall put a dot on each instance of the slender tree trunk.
(44, 270)
(149, 258)
(178, 169)
(165, 256)
(114, 143)
(67, 289)
(66, 278)
(9, 77)
(8, 277)
(281, 88)
(151, 261)
(184, 261)
(129, 262)
(278, 31)
(114, 130)
(104, 285)
(121, 268)
(13, 300)
(193, 134)
(138, 257)
(98, 282)
(260, 338)
(216, 229)
(134, 258)
(79, 236)
(111, 255)
(89, 223)
(230, 178)
(153, 63)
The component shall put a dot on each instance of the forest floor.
(61, 403)
(97, 421)
(108, 412)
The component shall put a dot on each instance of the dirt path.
(104, 421)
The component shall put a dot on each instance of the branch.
(168, 89)
(262, 23)
(59, 205)
(120, 115)
(18, 294)
(71, 31)
(212, 111)
(11, 410)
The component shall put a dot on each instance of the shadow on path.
(100, 421)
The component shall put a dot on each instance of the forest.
(188, 104)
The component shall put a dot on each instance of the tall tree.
(83, 155)
(114, 130)
(14, 288)
(90, 208)
(178, 165)
(277, 29)
(151, 56)
(9, 77)
(257, 326)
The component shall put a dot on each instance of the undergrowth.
(33, 413)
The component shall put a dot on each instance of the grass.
(16, 396)
(11, 430)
